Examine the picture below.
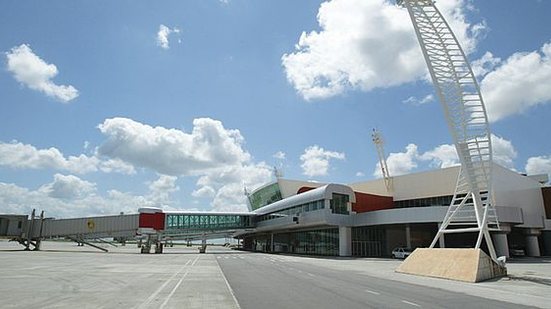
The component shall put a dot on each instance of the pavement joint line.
(373, 292)
(410, 303)
(152, 296)
(228, 285)
(178, 284)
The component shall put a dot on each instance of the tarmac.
(64, 275)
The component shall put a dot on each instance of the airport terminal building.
(367, 219)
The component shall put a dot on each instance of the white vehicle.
(401, 253)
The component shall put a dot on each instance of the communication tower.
(379, 144)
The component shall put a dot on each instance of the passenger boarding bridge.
(152, 227)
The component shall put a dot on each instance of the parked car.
(401, 253)
(517, 252)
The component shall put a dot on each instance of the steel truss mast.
(471, 209)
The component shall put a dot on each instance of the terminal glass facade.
(425, 202)
(265, 196)
(313, 242)
(368, 241)
(339, 204)
(194, 222)
(291, 211)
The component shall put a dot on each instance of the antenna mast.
(379, 144)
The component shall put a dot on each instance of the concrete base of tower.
(469, 265)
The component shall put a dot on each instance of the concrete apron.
(468, 265)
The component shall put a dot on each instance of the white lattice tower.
(379, 145)
(471, 209)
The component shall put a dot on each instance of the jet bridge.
(152, 226)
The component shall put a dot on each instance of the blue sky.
(109, 106)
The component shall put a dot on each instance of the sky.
(108, 106)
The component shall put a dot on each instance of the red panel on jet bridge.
(155, 221)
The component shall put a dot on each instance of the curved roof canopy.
(321, 193)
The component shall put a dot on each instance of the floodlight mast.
(471, 208)
(379, 144)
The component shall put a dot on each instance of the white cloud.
(315, 160)
(518, 84)
(116, 166)
(33, 72)
(360, 174)
(162, 188)
(485, 64)
(280, 155)
(163, 34)
(538, 165)
(210, 151)
(442, 156)
(171, 151)
(68, 187)
(365, 45)
(399, 163)
(23, 156)
(416, 102)
(68, 196)
(504, 152)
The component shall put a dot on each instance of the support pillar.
(500, 239)
(408, 236)
(500, 243)
(345, 241)
(532, 243)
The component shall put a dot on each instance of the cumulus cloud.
(68, 196)
(443, 156)
(504, 153)
(172, 151)
(24, 156)
(365, 45)
(210, 152)
(518, 83)
(68, 187)
(538, 165)
(485, 64)
(163, 34)
(399, 163)
(33, 72)
(162, 188)
(315, 160)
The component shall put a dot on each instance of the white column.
(408, 236)
(345, 241)
(532, 245)
(500, 243)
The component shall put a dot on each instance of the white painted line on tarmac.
(373, 292)
(410, 303)
(311, 275)
(178, 284)
(152, 296)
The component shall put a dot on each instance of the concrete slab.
(470, 265)
(66, 276)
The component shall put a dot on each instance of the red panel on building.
(155, 221)
(370, 202)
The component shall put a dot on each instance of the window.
(339, 204)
